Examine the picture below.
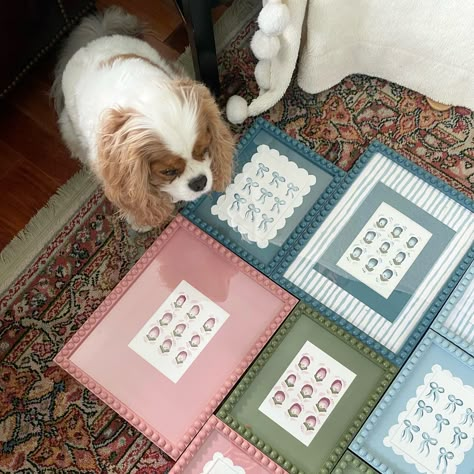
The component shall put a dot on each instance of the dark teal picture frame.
(267, 260)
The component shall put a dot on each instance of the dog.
(151, 135)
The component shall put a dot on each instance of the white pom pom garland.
(263, 46)
(262, 74)
(274, 18)
(236, 109)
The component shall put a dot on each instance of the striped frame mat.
(383, 166)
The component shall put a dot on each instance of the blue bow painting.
(262, 169)
(251, 211)
(407, 434)
(265, 194)
(422, 409)
(292, 189)
(277, 179)
(444, 457)
(440, 422)
(435, 391)
(238, 200)
(453, 404)
(425, 444)
(249, 184)
(468, 417)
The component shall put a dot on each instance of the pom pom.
(263, 46)
(274, 18)
(236, 109)
(262, 74)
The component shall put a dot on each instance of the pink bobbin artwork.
(217, 449)
(307, 392)
(180, 311)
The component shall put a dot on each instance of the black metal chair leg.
(198, 20)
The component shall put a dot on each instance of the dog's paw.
(141, 228)
(136, 227)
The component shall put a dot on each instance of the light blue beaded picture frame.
(427, 226)
(425, 421)
(271, 168)
(456, 319)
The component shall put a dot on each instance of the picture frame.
(324, 270)
(455, 321)
(327, 178)
(420, 424)
(246, 411)
(214, 438)
(132, 346)
(351, 464)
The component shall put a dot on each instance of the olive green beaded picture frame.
(350, 464)
(312, 386)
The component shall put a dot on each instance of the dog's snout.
(198, 184)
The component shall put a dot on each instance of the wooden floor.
(33, 161)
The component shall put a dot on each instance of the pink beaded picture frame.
(174, 336)
(217, 448)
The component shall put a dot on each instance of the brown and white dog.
(151, 135)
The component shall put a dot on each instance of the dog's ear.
(222, 145)
(125, 146)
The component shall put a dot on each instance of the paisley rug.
(48, 422)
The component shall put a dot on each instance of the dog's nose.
(198, 184)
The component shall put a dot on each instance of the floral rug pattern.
(51, 424)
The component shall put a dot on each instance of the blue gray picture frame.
(387, 307)
(425, 322)
(439, 323)
(267, 260)
(368, 444)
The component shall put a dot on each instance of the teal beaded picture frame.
(313, 385)
(278, 188)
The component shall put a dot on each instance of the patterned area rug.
(48, 422)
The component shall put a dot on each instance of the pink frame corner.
(174, 450)
(214, 424)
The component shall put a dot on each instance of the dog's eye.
(170, 172)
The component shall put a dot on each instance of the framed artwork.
(425, 422)
(278, 188)
(217, 449)
(351, 464)
(456, 320)
(306, 395)
(169, 342)
(385, 253)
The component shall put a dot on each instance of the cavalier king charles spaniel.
(152, 136)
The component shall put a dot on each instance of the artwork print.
(219, 464)
(307, 392)
(384, 250)
(437, 427)
(263, 196)
(178, 331)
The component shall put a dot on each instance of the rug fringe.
(44, 226)
(63, 205)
